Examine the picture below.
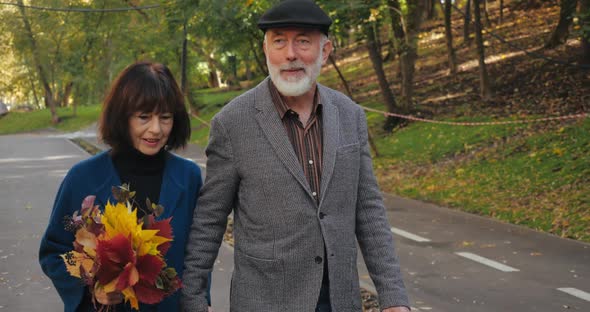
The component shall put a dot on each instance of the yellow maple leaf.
(74, 260)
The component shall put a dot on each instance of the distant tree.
(562, 30)
(39, 64)
(501, 17)
(585, 23)
(410, 20)
(449, 38)
(484, 82)
(531, 4)
(467, 22)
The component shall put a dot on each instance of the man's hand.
(397, 309)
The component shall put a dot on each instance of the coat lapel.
(272, 126)
(170, 191)
(111, 178)
(331, 130)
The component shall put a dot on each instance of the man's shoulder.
(337, 98)
(244, 101)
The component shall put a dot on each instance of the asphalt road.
(31, 169)
(451, 261)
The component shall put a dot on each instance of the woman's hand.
(111, 298)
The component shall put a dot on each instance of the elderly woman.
(143, 118)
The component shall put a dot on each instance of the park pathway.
(451, 261)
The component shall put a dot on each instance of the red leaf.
(149, 267)
(165, 230)
(128, 277)
(113, 255)
(148, 293)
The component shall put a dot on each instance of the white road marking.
(409, 235)
(491, 263)
(22, 159)
(575, 292)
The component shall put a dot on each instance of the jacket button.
(322, 215)
(318, 259)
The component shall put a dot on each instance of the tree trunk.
(561, 32)
(398, 29)
(485, 10)
(213, 77)
(350, 95)
(410, 53)
(67, 93)
(484, 83)
(531, 4)
(467, 23)
(49, 102)
(184, 66)
(260, 62)
(33, 88)
(585, 23)
(449, 38)
(501, 11)
(344, 82)
(396, 24)
(386, 92)
(430, 9)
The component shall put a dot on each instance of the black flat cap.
(295, 13)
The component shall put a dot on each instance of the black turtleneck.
(143, 173)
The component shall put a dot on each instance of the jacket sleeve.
(199, 176)
(373, 231)
(216, 201)
(57, 241)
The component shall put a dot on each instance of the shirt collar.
(283, 108)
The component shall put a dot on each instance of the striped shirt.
(306, 140)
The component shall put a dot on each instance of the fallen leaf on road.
(535, 254)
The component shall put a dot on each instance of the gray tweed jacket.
(279, 232)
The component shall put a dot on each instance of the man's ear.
(326, 50)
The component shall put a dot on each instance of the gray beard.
(300, 86)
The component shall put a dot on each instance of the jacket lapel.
(110, 178)
(170, 191)
(331, 130)
(272, 126)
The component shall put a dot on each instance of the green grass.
(534, 177)
(429, 143)
(210, 101)
(18, 122)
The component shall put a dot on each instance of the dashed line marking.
(491, 263)
(576, 293)
(409, 235)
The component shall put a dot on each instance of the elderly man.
(290, 158)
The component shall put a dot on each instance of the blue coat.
(95, 176)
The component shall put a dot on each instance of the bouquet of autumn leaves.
(116, 251)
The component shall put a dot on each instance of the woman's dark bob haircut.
(143, 87)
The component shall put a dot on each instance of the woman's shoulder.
(179, 163)
(97, 164)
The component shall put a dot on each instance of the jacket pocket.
(348, 148)
(257, 284)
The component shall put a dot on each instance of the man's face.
(294, 58)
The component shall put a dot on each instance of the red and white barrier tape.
(475, 123)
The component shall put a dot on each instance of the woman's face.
(149, 131)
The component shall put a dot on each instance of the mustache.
(293, 65)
